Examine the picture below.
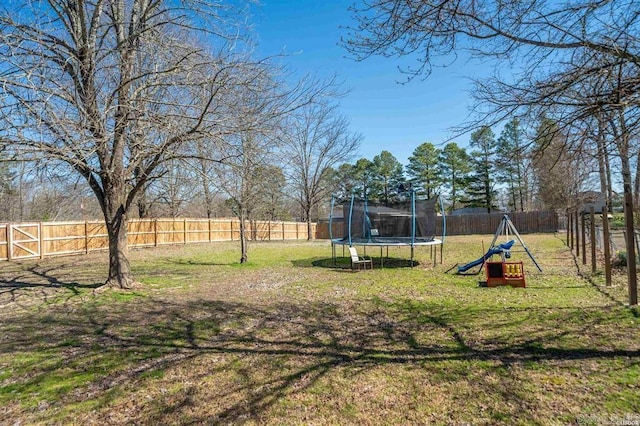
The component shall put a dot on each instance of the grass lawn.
(290, 339)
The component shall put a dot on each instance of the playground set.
(503, 272)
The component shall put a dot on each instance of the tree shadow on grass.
(231, 362)
(45, 282)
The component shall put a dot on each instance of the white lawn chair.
(360, 262)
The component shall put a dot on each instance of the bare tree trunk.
(604, 182)
(309, 229)
(607, 167)
(623, 148)
(120, 275)
(243, 236)
(143, 205)
(636, 184)
(207, 197)
(521, 182)
(453, 192)
(204, 176)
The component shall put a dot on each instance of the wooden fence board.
(77, 237)
(4, 254)
(24, 240)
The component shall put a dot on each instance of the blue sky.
(390, 116)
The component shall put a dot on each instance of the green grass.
(292, 339)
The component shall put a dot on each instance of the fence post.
(570, 229)
(86, 237)
(231, 229)
(283, 230)
(577, 225)
(567, 226)
(607, 245)
(637, 243)
(155, 232)
(184, 231)
(584, 237)
(593, 239)
(40, 241)
(9, 242)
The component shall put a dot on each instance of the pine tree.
(363, 175)
(513, 161)
(455, 166)
(388, 175)
(424, 171)
(481, 191)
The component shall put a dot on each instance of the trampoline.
(409, 223)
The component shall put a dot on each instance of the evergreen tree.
(363, 175)
(387, 178)
(424, 171)
(512, 158)
(455, 166)
(344, 180)
(481, 191)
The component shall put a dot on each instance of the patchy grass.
(292, 338)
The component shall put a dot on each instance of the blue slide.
(495, 250)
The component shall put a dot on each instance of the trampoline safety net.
(371, 223)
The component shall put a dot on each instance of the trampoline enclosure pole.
(333, 200)
(350, 214)
(413, 222)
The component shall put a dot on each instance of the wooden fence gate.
(23, 241)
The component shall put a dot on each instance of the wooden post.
(40, 242)
(568, 231)
(607, 245)
(283, 231)
(6, 238)
(209, 223)
(269, 229)
(577, 226)
(184, 231)
(584, 237)
(573, 234)
(570, 228)
(231, 229)
(155, 232)
(86, 237)
(9, 242)
(593, 239)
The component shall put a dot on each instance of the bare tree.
(174, 190)
(241, 176)
(109, 89)
(315, 141)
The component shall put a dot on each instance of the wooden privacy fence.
(525, 223)
(41, 239)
